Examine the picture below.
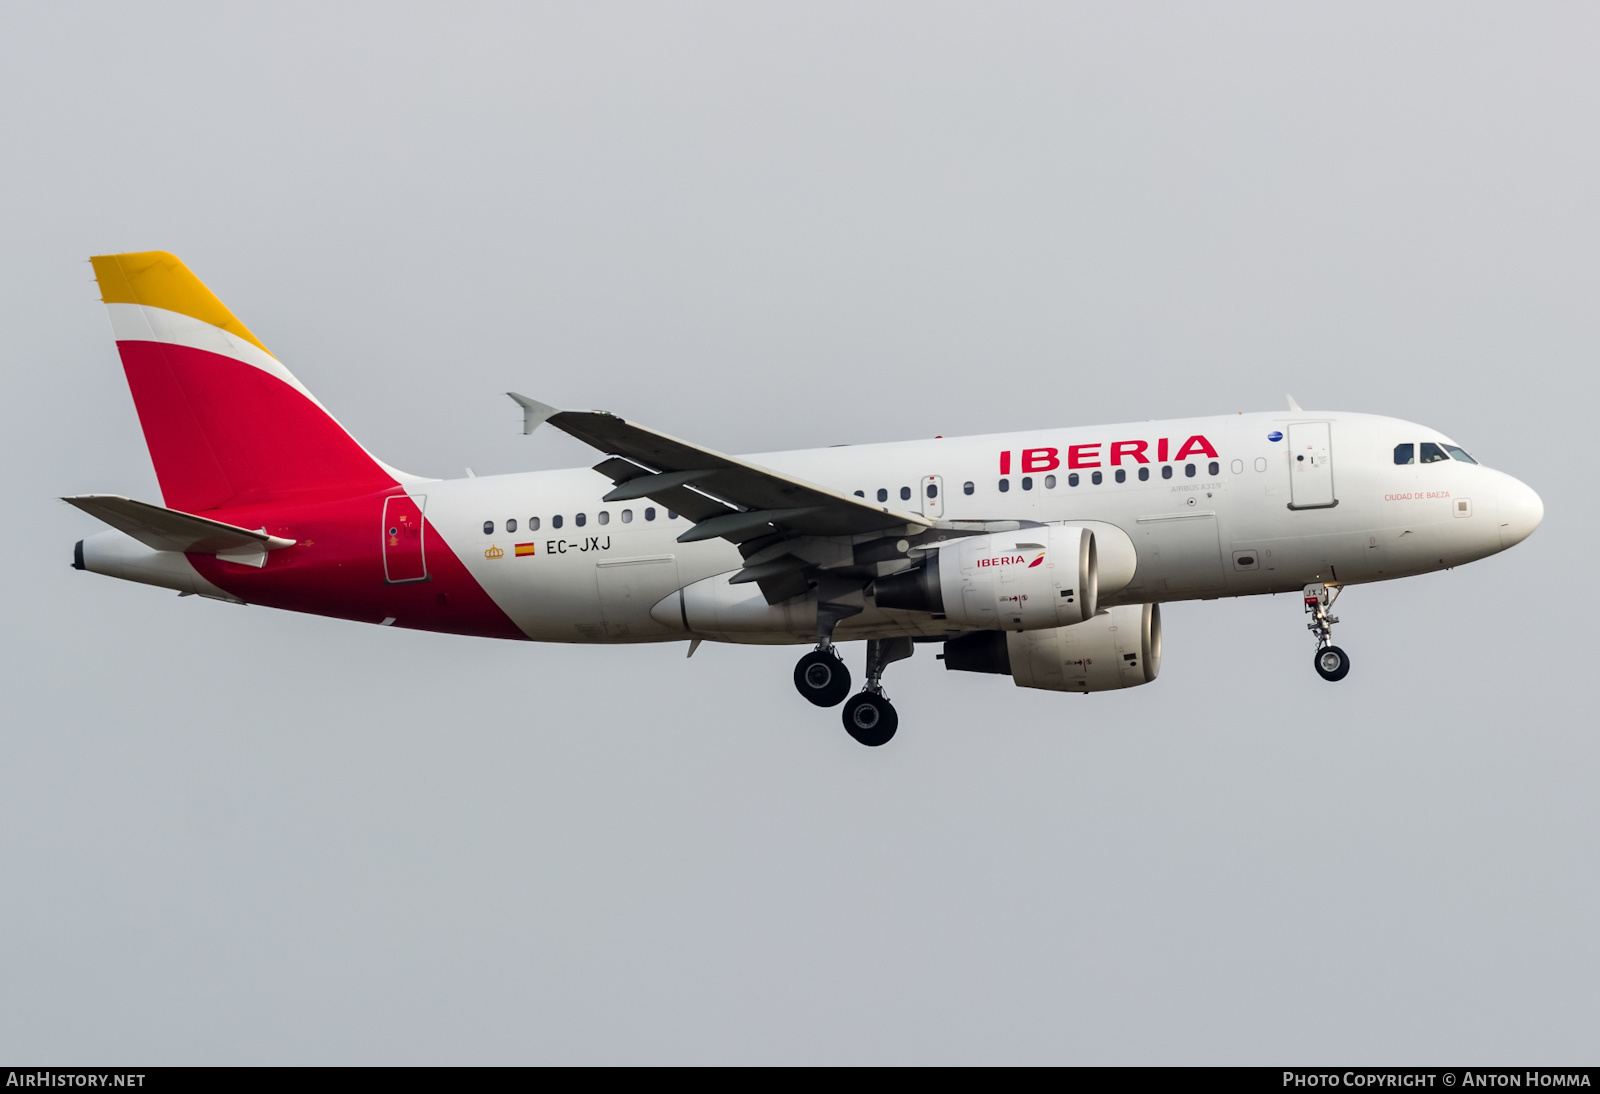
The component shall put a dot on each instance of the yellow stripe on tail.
(160, 280)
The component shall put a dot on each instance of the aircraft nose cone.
(1521, 510)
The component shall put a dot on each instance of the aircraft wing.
(725, 496)
(170, 530)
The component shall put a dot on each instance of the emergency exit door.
(932, 490)
(403, 556)
(1311, 465)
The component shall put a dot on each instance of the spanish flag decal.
(524, 549)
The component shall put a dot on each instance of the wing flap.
(675, 473)
(674, 496)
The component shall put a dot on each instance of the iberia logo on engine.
(1011, 560)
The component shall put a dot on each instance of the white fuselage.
(1265, 521)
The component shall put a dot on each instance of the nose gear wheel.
(1332, 663)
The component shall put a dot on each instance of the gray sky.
(239, 835)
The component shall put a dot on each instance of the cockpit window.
(1432, 453)
(1458, 453)
(1405, 453)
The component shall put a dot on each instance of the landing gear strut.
(821, 676)
(1330, 661)
(869, 717)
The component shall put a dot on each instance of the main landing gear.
(868, 716)
(821, 676)
(871, 719)
(1331, 662)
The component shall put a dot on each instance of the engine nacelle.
(1030, 579)
(1119, 648)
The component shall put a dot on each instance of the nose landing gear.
(1331, 662)
(869, 717)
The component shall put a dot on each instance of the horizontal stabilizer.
(170, 530)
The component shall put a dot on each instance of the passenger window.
(511, 525)
(1404, 454)
(1459, 454)
(627, 516)
(488, 527)
(1144, 474)
(555, 521)
(883, 495)
(1432, 453)
(605, 517)
(1097, 478)
(533, 524)
(650, 513)
(933, 490)
(905, 493)
(1214, 469)
(861, 493)
(967, 488)
(1166, 471)
(1072, 479)
(1122, 475)
(1188, 470)
(671, 515)
(1027, 482)
(580, 520)
(1049, 482)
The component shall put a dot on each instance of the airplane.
(1044, 555)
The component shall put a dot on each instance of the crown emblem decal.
(494, 552)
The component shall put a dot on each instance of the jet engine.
(1118, 648)
(1031, 579)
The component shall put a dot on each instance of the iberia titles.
(1033, 460)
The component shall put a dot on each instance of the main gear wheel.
(821, 676)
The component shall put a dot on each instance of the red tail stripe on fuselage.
(239, 445)
(335, 568)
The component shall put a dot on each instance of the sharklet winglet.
(534, 413)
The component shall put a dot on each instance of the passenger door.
(404, 559)
(1311, 466)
